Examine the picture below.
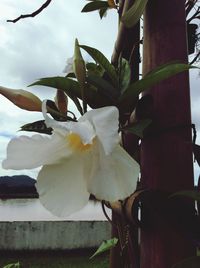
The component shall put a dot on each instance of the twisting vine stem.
(35, 13)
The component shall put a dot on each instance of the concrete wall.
(47, 235)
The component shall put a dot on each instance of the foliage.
(12, 265)
(56, 260)
(133, 15)
(97, 84)
(105, 246)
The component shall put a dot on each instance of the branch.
(189, 6)
(35, 13)
(194, 16)
(195, 58)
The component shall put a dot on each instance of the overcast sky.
(39, 47)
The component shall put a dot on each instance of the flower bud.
(61, 101)
(79, 65)
(22, 98)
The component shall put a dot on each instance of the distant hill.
(18, 186)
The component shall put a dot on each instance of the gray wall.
(46, 235)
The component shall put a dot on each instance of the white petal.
(58, 126)
(85, 130)
(50, 122)
(29, 152)
(113, 177)
(69, 66)
(62, 188)
(106, 123)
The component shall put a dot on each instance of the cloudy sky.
(39, 47)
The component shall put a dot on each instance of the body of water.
(32, 210)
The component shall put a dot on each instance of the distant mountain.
(17, 180)
(18, 186)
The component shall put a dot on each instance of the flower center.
(76, 143)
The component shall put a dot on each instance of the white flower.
(79, 159)
(69, 66)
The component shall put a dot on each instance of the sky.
(39, 47)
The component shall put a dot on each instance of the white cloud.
(39, 47)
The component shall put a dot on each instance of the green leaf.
(106, 245)
(69, 86)
(71, 75)
(95, 5)
(193, 262)
(196, 151)
(154, 77)
(191, 194)
(94, 69)
(53, 110)
(103, 87)
(95, 99)
(139, 127)
(103, 62)
(12, 265)
(72, 89)
(160, 67)
(38, 126)
(103, 12)
(125, 74)
(133, 15)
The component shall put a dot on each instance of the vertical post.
(127, 46)
(166, 158)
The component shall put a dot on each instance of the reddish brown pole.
(166, 158)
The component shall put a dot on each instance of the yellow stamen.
(76, 143)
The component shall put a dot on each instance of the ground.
(53, 259)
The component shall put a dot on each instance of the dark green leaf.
(95, 99)
(95, 5)
(160, 67)
(144, 108)
(103, 12)
(69, 86)
(12, 265)
(133, 15)
(71, 75)
(38, 126)
(53, 110)
(103, 62)
(191, 194)
(106, 245)
(154, 77)
(93, 68)
(193, 262)
(103, 87)
(125, 74)
(196, 150)
(72, 89)
(139, 127)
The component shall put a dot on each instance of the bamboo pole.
(166, 159)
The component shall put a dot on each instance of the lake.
(32, 210)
